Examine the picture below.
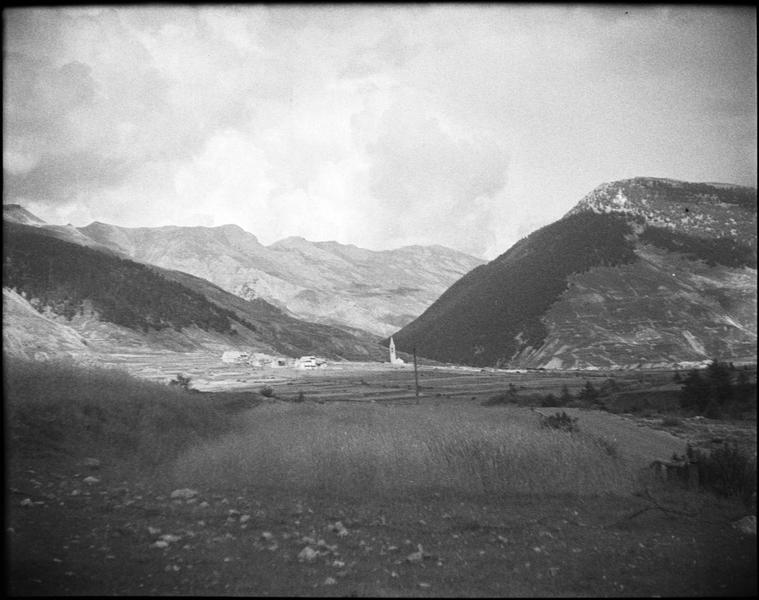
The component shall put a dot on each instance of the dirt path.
(116, 536)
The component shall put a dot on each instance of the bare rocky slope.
(641, 272)
(322, 282)
(66, 297)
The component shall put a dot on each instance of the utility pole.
(416, 376)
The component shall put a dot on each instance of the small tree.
(713, 389)
(566, 396)
(588, 394)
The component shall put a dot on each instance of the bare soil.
(68, 537)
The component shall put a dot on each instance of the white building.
(235, 357)
(394, 360)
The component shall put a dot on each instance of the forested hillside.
(513, 291)
(61, 276)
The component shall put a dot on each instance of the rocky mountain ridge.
(698, 209)
(641, 272)
(322, 282)
(62, 297)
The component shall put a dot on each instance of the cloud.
(373, 125)
(430, 179)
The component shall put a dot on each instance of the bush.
(508, 397)
(549, 400)
(671, 422)
(561, 421)
(710, 390)
(181, 381)
(588, 395)
(727, 471)
(566, 396)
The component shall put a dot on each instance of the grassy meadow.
(373, 449)
(59, 409)
(344, 448)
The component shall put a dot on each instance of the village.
(261, 360)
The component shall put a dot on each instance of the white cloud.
(378, 126)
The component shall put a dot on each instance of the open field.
(358, 381)
(384, 498)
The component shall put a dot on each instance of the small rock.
(183, 494)
(159, 544)
(244, 518)
(154, 530)
(422, 584)
(330, 581)
(267, 535)
(90, 480)
(170, 538)
(203, 504)
(339, 564)
(746, 525)
(26, 502)
(417, 556)
(308, 554)
(339, 528)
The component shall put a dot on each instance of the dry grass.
(373, 449)
(60, 407)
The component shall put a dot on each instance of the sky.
(468, 126)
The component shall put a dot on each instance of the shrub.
(549, 400)
(728, 470)
(508, 397)
(710, 390)
(588, 395)
(560, 421)
(566, 396)
(181, 381)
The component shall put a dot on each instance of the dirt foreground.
(73, 529)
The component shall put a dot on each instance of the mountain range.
(321, 282)
(65, 294)
(641, 272)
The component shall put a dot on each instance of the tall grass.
(361, 449)
(66, 409)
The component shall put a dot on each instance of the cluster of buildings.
(266, 361)
(259, 360)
